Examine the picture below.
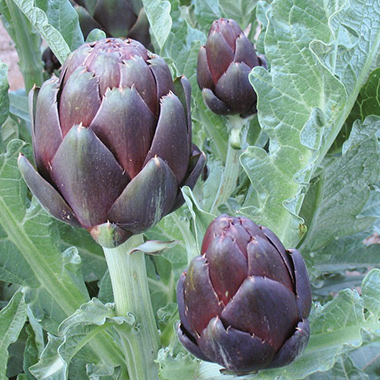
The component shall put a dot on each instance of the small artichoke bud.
(245, 301)
(112, 141)
(117, 18)
(223, 67)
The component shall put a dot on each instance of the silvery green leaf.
(315, 76)
(12, 319)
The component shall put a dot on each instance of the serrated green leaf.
(27, 42)
(167, 324)
(243, 12)
(12, 319)
(200, 218)
(31, 353)
(206, 12)
(29, 254)
(19, 105)
(31, 257)
(367, 359)
(340, 193)
(40, 300)
(162, 284)
(158, 13)
(181, 366)
(343, 369)
(93, 262)
(172, 228)
(368, 100)
(40, 21)
(105, 289)
(92, 319)
(367, 103)
(303, 85)
(346, 253)
(63, 17)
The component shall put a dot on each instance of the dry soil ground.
(8, 55)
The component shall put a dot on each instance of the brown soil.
(8, 54)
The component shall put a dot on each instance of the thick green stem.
(131, 293)
(28, 50)
(232, 168)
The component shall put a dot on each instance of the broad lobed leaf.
(304, 99)
(345, 182)
(12, 319)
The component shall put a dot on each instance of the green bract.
(224, 64)
(244, 303)
(112, 141)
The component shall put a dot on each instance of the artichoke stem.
(131, 294)
(232, 167)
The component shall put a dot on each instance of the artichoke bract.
(112, 141)
(117, 18)
(245, 301)
(223, 67)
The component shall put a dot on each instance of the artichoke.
(244, 303)
(117, 18)
(112, 141)
(223, 67)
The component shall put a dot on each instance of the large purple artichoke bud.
(112, 141)
(117, 18)
(244, 303)
(223, 67)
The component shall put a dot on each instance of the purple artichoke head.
(117, 18)
(223, 67)
(245, 302)
(112, 141)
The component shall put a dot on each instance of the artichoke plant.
(112, 141)
(117, 18)
(223, 67)
(244, 302)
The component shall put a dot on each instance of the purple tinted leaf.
(202, 303)
(238, 351)
(235, 90)
(47, 195)
(222, 255)
(293, 347)
(272, 237)
(171, 140)
(162, 76)
(245, 52)
(196, 164)
(265, 308)
(219, 55)
(204, 77)
(126, 126)
(146, 199)
(105, 66)
(46, 132)
(189, 342)
(79, 101)
(302, 283)
(217, 226)
(135, 72)
(264, 260)
(87, 175)
(214, 103)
